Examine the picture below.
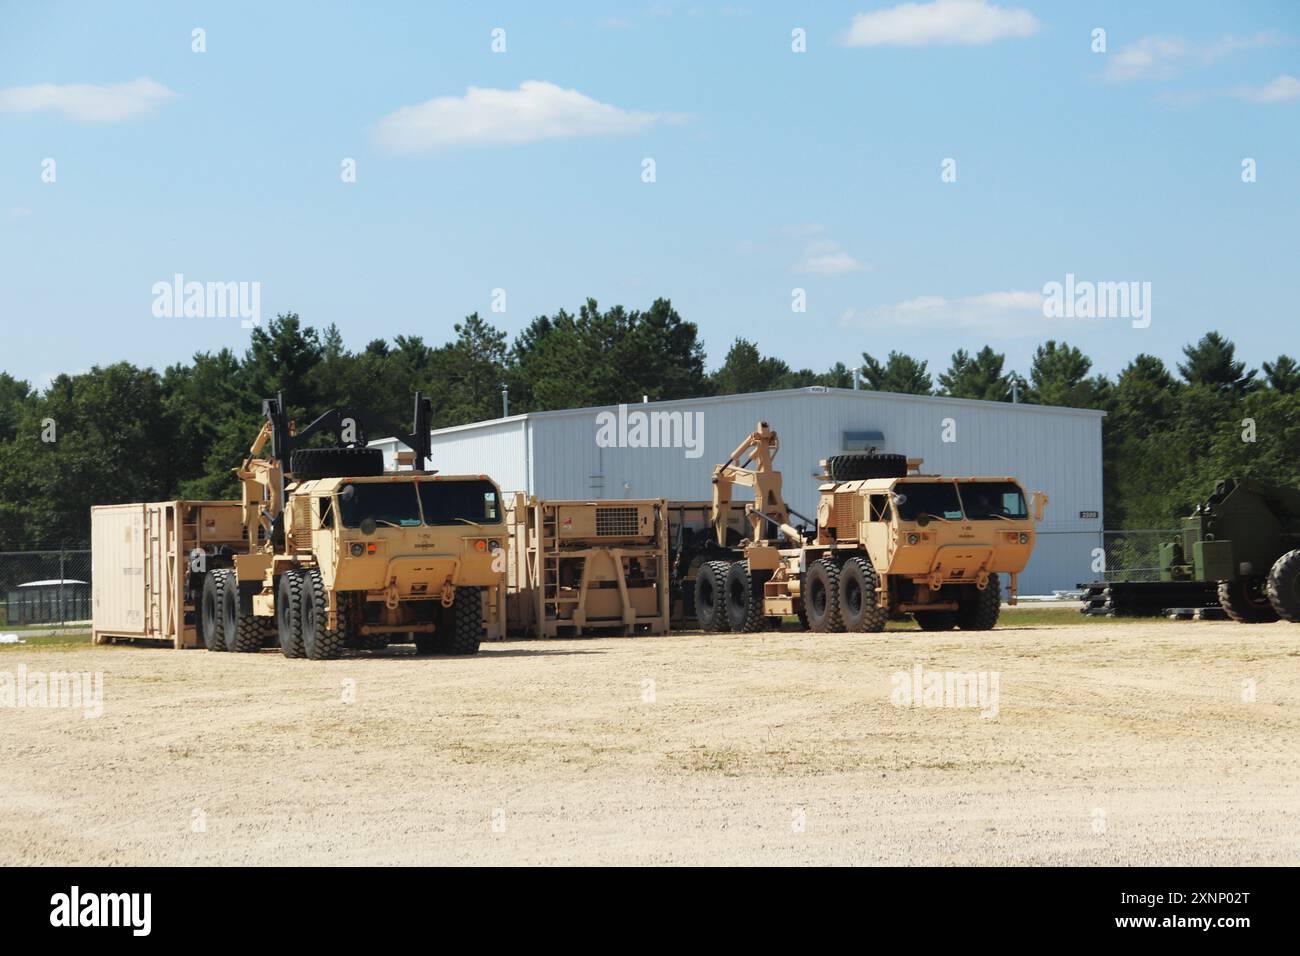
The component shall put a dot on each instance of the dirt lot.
(1107, 743)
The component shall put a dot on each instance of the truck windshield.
(392, 504)
(938, 499)
(455, 502)
(993, 499)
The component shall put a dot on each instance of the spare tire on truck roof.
(306, 464)
(866, 465)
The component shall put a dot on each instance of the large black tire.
(745, 599)
(1284, 586)
(978, 610)
(288, 613)
(308, 463)
(935, 620)
(860, 466)
(1246, 601)
(859, 609)
(467, 623)
(212, 609)
(821, 596)
(320, 642)
(711, 596)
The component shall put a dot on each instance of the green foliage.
(979, 377)
(1211, 362)
(900, 373)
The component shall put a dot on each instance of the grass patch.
(70, 641)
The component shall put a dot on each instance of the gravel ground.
(1135, 743)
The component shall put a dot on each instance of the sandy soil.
(1112, 743)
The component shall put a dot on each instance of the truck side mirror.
(1040, 502)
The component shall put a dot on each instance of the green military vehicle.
(1245, 537)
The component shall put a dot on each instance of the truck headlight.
(913, 538)
(357, 549)
(1024, 538)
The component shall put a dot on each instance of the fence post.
(61, 576)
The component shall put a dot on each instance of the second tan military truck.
(886, 542)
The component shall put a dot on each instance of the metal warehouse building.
(609, 453)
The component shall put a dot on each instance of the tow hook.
(448, 594)
(391, 598)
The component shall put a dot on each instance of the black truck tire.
(821, 596)
(306, 464)
(319, 641)
(711, 596)
(866, 465)
(978, 610)
(467, 623)
(859, 609)
(288, 613)
(212, 609)
(744, 602)
(1284, 586)
(1245, 601)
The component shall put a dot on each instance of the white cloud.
(537, 110)
(940, 23)
(995, 314)
(829, 264)
(822, 256)
(1280, 90)
(88, 102)
(1163, 58)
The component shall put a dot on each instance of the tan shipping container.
(140, 559)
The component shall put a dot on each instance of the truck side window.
(879, 508)
(325, 512)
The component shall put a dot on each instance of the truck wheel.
(979, 610)
(935, 620)
(711, 596)
(1245, 601)
(745, 599)
(467, 622)
(821, 596)
(318, 641)
(212, 609)
(288, 613)
(858, 607)
(1284, 587)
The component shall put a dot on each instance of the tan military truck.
(337, 553)
(887, 542)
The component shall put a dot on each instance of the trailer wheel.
(711, 596)
(467, 622)
(319, 642)
(745, 599)
(935, 620)
(979, 611)
(821, 596)
(1284, 586)
(1245, 601)
(858, 605)
(288, 613)
(212, 610)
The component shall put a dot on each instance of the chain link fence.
(1134, 555)
(44, 587)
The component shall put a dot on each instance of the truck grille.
(616, 521)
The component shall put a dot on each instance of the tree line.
(120, 433)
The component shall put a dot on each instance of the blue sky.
(774, 170)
